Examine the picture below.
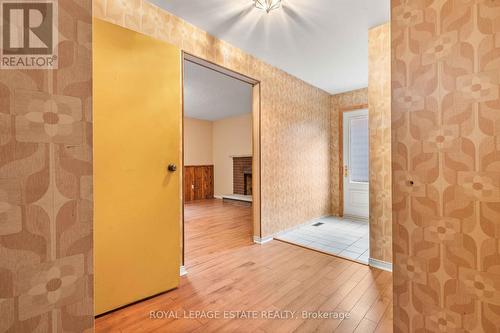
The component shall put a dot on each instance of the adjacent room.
(360, 225)
(218, 139)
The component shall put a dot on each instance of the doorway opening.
(221, 159)
(347, 236)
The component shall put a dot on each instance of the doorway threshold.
(342, 237)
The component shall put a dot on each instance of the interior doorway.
(348, 235)
(221, 160)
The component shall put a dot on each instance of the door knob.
(172, 167)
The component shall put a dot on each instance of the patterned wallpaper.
(46, 277)
(446, 165)
(295, 159)
(349, 101)
(379, 101)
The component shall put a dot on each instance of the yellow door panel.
(137, 133)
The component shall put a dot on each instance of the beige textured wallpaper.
(379, 101)
(46, 267)
(198, 142)
(295, 116)
(232, 137)
(446, 165)
(349, 101)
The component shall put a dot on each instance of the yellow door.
(137, 133)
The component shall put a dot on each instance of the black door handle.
(172, 167)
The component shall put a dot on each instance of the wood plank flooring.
(227, 272)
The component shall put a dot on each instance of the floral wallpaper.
(46, 277)
(295, 116)
(446, 165)
(379, 106)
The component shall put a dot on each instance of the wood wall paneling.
(198, 182)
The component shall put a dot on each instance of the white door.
(356, 164)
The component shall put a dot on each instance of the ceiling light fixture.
(267, 5)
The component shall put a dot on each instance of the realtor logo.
(29, 35)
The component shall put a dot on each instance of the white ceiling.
(323, 42)
(210, 95)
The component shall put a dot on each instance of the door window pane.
(359, 150)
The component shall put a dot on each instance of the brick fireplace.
(242, 175)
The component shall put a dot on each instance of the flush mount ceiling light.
(267, 5)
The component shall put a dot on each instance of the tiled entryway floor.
(342, 237)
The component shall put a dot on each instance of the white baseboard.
(183, 271)
(264, 240)
(218, 197)
(383, 265)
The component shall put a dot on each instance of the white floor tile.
(338, 236)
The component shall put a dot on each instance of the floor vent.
(318, 224)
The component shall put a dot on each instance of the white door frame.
(356, 194)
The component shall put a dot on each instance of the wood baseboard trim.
(183, 271)
(263, 240)
(383, 265)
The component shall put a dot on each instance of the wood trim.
(354, 107)
(341, 163)
(220, 69)
(256, 84)
(257, 160)
(183, 241)
(260, 159)
(341, 151)
(198, 183)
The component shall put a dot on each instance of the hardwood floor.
(227, 272)
(214, 226)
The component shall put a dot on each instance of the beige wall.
(214, 143)
(379, 101)
(232, 137)
(295, 116)
(198, 142)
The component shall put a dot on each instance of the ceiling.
(323, 42)
(210, 95)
